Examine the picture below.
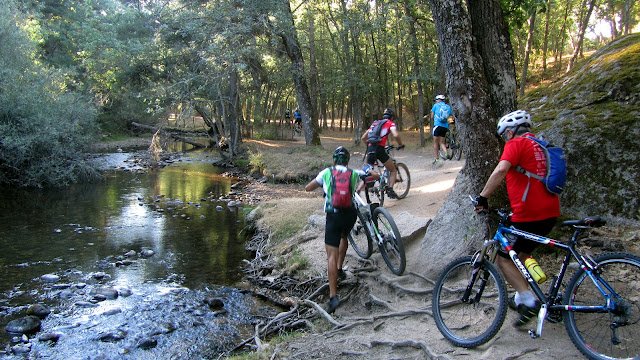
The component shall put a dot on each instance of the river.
(165, 240)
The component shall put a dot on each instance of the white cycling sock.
(526, 298)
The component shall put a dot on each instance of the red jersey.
(384, 132)
(540, 204)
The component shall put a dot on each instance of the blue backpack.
(556, 174)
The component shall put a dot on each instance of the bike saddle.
(591, 221)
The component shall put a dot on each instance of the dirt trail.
(389, 315)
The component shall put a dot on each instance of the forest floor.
(383, 316)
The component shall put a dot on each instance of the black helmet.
(388, 113)
(341, 156)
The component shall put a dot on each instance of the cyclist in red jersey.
(377, 151)
(537, 214)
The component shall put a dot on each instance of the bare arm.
(499, 173)
(312, 185)
(365, 136)
(396, 135)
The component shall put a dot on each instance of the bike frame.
(548, 302)
(371, 227)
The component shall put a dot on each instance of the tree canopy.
(98, 65)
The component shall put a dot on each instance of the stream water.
(164, 240)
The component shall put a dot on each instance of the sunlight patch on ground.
(262, 143)
(436, 187)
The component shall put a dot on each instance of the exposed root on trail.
(289, 290)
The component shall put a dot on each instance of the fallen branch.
(179, 138)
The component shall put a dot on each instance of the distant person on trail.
(338, 183)
(287, 115)
(376, 139)
(440, 113)
(535, 212)
(298, 117)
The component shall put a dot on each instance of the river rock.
(38, 310)
(21, 349)
(25, 325)
(86, 304)
(147, 343)
(107, 292)
(131, 253)
(50, 278)
(53, 337)
(147, 253)
(113, 336)
(125, 292)
(214, 302)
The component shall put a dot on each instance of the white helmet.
(518, 117)
(440, 97)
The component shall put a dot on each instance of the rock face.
(594, 114)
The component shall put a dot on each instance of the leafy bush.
(43, 127)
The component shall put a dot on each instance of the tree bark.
(474, 85)
(546, 36)
(292, 48)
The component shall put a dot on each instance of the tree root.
(413, 344)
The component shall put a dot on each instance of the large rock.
(26, 325)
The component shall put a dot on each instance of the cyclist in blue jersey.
(440, 112)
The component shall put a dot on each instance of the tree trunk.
(292, 48)
(416, 66)
(546, 36)
(527, 51)
(453, 231)
(583, 28)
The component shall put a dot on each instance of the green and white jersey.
(324, 179)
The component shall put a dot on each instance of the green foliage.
(44, 127)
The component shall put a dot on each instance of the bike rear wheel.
(471, 320)
(391, 248)
(455, 147)
(360, 239)
(613, 334)
(403, 181)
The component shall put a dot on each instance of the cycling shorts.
(376, 152)
(338, 225)
(522, 245)
(440, 131)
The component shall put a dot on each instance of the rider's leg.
(436, 145)
(342, 250)
(389, 165)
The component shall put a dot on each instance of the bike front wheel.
(456, 148)
(469, 303)
(391, 248)
(360, 239)
(613, 334)
(403, 181)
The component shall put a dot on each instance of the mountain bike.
(600, 305)
(375, 224)
(454, 148)
(297, 127)
(403, 178)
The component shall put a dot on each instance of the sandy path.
(378, 336)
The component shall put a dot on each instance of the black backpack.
(374, 132)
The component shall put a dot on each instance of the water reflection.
(82, 229)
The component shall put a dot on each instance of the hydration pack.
(556, 174)
(341, 189)
(374, 132)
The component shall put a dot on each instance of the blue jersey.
(441, 113)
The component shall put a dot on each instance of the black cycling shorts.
(522, 245)
(440, 131)
(376, 152)
(338, 225)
